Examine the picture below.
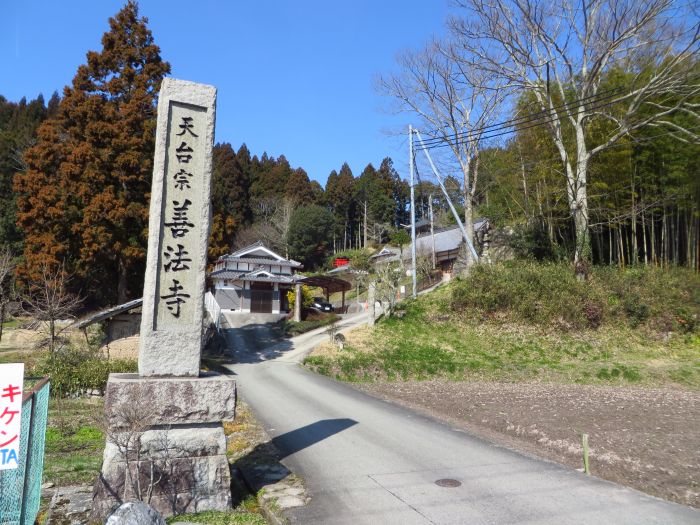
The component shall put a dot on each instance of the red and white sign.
(11, 381)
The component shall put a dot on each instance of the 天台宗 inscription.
(181, 229)
(173, 293)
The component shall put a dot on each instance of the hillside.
(534, 322)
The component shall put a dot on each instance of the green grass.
(17, 356)
(247, 513)
(488, 328)
(74, 441)
(292, 328)
(10, 324)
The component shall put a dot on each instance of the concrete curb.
(270, 511)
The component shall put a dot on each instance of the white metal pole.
(447, 196)
(413, 212)
(432, 227)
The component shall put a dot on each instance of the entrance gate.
(261, 298)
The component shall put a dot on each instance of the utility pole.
(365, 232)
(413, 212)
(467, 240)
(432, 228)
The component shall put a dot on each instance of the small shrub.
(618, 371)
(76, 371)
(594, 313)
(637, 311)
(294, 328)
(686, 321)
(307, 297)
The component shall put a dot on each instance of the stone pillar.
(486, 254)
(165, 437)
(297, 302)
(371, 302)
(178, 231)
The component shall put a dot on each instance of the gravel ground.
(648, 439)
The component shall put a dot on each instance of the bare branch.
(49, 301)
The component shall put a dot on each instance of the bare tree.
(7, 266)
(455, 102)
(271, 226)
(50, 301)
(388, 284)
(425, 267)
(561, 50)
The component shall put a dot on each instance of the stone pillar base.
(166, 444)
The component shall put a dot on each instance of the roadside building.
(119, 322)
(445, 243)
(254, 279)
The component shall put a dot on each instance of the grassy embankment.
(525, 321)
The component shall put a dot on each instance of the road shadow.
(251, 343)
(261, 466)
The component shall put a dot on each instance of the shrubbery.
(547, 294)
(294, 328)
(307, 297)
(76, 371)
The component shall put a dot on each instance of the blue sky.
(294, 77)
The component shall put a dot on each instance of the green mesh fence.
(20, 488)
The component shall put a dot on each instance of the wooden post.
(584, 443)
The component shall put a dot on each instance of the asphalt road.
(366, 461)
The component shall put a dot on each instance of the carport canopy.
(329, 285)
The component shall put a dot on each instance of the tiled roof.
(255, 275)
(256, 260)
(239, 255)
(446, 239)
(227, 274)
(268, 279)
(109, 312)
(258, 244)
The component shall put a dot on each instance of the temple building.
(254, 279)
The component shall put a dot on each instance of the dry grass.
(125, 348)
(243, 434)
(360, 339)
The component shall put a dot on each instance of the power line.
(506, 129)
(574, 164)
(609, 93)
(545, 113)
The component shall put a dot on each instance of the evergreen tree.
(395, 188)
(18, 126)
(269, 178)
(345, 205)
(230, 200)
(83, 201)
(298, 188)
(310, 233)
